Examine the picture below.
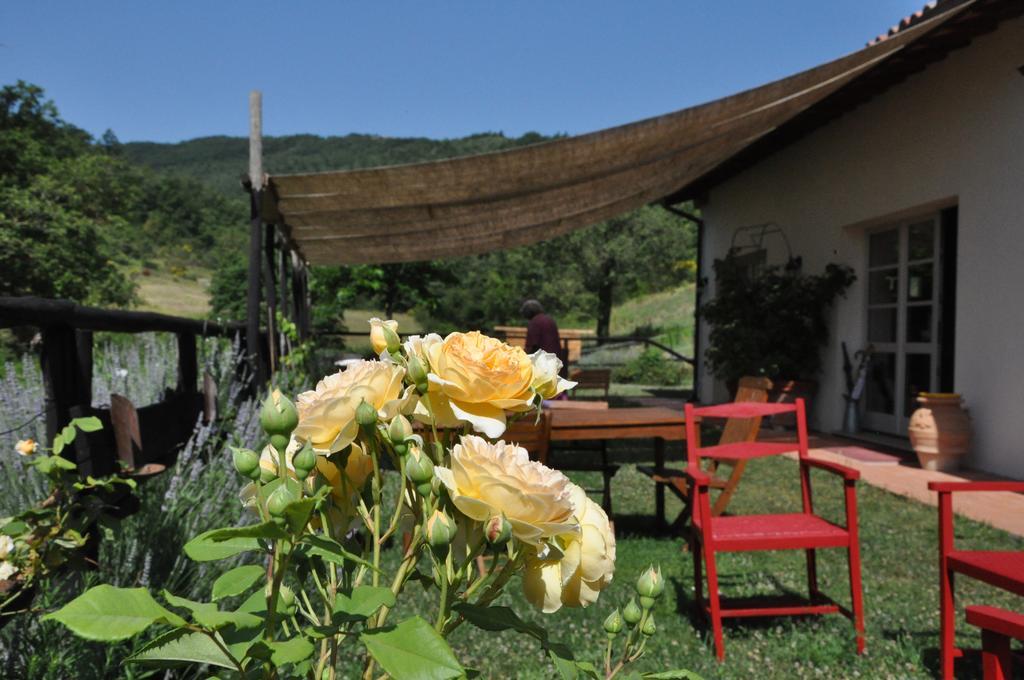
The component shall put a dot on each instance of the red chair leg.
(856, 593)
(947, 623)
(812, 573)
(698, 577)
(995, 656)
(715, 603)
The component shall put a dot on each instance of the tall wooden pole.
(254, 345)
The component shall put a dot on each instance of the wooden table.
(656, 422)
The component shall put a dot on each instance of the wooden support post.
(62, 378)
(188, 364)
(83, 364)
(268, 278)
(254, 346)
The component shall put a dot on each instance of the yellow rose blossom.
(327, 415)
(26, 447)
(487, 480)
(474, 379)
(586, 567)
(377, 336)
(348, 482)
(546, 381)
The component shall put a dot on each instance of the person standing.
(542, 333)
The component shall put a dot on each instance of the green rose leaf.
(68, 434)
(108, 614)
(330, 550)
(88, 424)
(207, 615)
(267, 530)
(203, 549)
(412, 649)
(237, 580)
(564, 661)
(178, 647)
(297, 514)
(363, 602)
(497, 619)
(296, 650)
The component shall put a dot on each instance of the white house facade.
(921, 191)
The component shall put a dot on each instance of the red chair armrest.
(997, 620)
(947, 487)
(846, 473)
(698, 477)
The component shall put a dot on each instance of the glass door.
(902, 318)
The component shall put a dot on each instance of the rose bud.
(632, 614)
(440, 530)
(378, 335)
(613, 624)
(280, 499)
(649, 629)
(366, 415)
(418, 466)
(246, 461)
(400, 430)
(278, 418)
(497, 531)
(417, 372)
(650, 586)
(304, 461)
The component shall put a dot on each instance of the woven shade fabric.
(500, 200)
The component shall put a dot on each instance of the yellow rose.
(586, 567)
(546, 381)
(327, 415)
(6, 546)
(26, 447)
(348, 482)
(378, 337)
(474, 379)
(487, 480)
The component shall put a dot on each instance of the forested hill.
(219, 162)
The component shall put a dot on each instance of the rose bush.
(320, 585)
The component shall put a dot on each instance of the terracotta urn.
(940, 431)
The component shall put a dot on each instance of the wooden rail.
(66, 361)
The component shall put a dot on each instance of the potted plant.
(771, 322)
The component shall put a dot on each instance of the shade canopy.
(511, 198)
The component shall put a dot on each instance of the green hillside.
(220, 162)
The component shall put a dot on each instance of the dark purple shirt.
(542, 333)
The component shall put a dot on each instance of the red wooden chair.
(997, 627)
(1003, 569)
(792, 531)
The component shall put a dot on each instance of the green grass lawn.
(899, 547)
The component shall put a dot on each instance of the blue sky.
(167, 71)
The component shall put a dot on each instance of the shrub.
(650, 368)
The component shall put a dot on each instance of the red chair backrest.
(695, 414)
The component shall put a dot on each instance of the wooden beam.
(188, 364)
(43, 312)
(254, 346)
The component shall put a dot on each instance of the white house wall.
(951, 134)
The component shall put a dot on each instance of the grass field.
(161, 291)
(899, 547)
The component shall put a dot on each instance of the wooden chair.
(736, 430)
(791, 531)
(535, 437)
(533, 434)
(998, 626)
(591, 379)
(1002, 569)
